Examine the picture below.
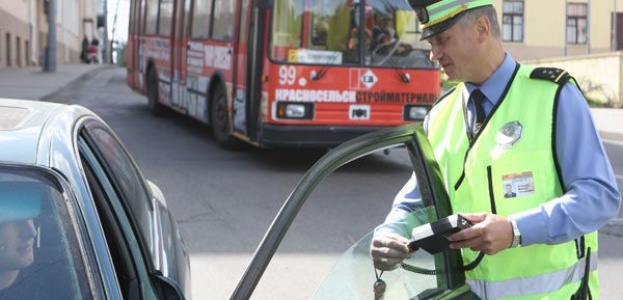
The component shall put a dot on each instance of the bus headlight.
(295, 110)
(415, 112)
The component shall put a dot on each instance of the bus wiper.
(406, 78)
(325, 68)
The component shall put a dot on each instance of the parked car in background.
(77, 218)
(352, 275)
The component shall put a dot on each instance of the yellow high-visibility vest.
(511, 167)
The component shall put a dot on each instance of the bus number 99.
(287, 75)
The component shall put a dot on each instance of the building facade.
(531, 29)
(24, 31)
(536, 29)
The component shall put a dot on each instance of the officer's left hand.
(489, 234)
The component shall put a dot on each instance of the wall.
(544, 29)
(14, 28)
(599, 75)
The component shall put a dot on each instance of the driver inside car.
(18, 209)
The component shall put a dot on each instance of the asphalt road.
(224, 201)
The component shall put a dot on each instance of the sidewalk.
(32, 83)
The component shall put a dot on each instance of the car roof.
(29, 128)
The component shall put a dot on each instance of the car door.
(352, 276)
(127, 214)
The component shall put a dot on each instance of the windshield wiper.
(325, 68)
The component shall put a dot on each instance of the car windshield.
(348, 32)
(39, 253)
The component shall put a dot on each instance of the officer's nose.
(435, 54)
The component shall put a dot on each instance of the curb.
(83, 77)
(611, 136)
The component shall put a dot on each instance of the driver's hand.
(388, 250)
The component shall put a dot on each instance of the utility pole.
(49, 64)
(106, 56)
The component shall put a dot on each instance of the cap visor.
(433, 30)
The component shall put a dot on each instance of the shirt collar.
(494, 86)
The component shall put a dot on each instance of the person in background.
(84, 52)
(508, 123)
(383, 34)
(93, 52)
(18, 209)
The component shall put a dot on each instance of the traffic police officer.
(509, 124)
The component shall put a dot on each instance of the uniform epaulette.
(555, 75)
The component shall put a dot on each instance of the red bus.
(282, 73)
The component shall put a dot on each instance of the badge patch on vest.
(518, 185)
(506, 137)
(509, 134)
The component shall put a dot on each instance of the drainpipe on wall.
(32, 22)
(49, 65)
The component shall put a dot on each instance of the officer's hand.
(489, 234)
(388, 250)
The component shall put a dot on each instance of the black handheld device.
(432, 237)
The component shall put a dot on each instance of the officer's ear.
(483, 27)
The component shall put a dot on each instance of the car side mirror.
(167, 288)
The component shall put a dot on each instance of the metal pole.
(49, 64)
(106, 55)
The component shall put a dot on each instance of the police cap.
(439, 15)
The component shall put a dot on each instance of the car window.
(352, 277)
(304, 245)
(124, 175)
(38, 241)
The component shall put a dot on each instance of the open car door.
(353, 275)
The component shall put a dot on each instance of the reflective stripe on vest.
(535, 285)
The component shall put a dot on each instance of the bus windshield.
(330, 32)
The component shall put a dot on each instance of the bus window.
(166, 16)
(395, 40)
(329, 32)
(202, 12)
(151, 17)
(223, 20)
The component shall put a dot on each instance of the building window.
(577, 25)
(512, 21)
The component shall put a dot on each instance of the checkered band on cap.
(447, 9)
